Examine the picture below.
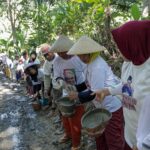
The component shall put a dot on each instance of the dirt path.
(21, 128)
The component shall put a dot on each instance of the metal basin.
(66, 106)
(36, 106)
(95, 121)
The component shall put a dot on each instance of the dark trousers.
(113, 136)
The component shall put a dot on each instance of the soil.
(22, 128)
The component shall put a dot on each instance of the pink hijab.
(133, 40)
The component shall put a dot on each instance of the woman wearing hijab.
(143, 132)
(33, 57)
(133, 41)
(98, 76)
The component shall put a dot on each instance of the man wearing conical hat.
(99, 75)
(69, 69)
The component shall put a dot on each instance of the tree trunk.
(12, 22)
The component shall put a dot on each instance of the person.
(25, 58)
(29, 91)
(99, 75)
(33, 71)
(19, 70)
(3, 59)
(33, 57)
(133, 41)
(143, 131)
(15, 63)
(63, 66)
(9, 67)
(48, 71)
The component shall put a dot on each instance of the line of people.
(80, 66)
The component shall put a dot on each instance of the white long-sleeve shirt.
(141, 88)
(99, 75)
(48, 71)
(143, 131)
(47, 67)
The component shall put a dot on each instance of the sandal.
(75, 148)
(64, 139)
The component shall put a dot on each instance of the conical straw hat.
(62, 44)
(85, 45)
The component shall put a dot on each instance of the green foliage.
(40, 21)
(135, 12)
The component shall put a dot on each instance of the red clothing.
(133, 40)
(127, 147)
(73, 127)
(113, 136)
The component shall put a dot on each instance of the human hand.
(61, 82)
(73, 95)
(134, 147)
(101, 94)
(70, 88)
(46, 94)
